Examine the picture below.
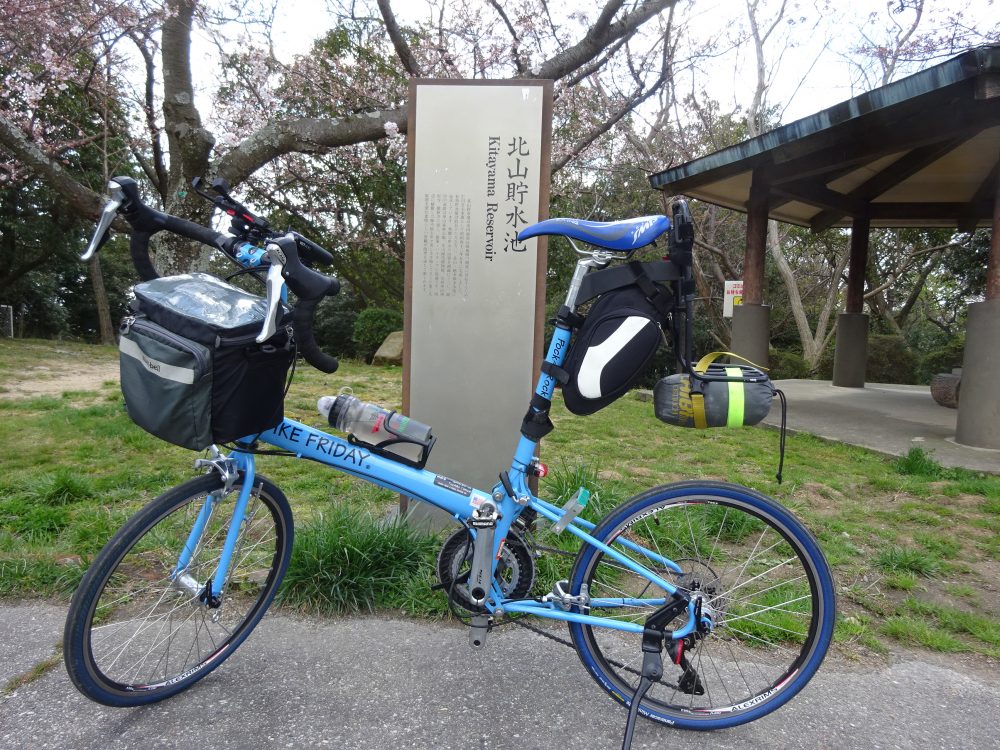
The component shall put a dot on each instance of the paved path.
(886, 418)
(365, 683)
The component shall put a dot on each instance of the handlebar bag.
(613, 349)
(192, 372)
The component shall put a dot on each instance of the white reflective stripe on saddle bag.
(588, 378)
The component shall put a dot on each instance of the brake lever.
(107, 216)
(275, 280)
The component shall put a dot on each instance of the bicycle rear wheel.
(133, 634)
(763, 581)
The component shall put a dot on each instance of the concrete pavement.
(365, 683)
(883, 417)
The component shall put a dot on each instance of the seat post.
(583, 267)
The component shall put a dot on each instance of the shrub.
(373, 324)
(663, 364)
(786, 365)
(824, 368)
(890, 360)
(942, 359)
(918, 463)
(334, 325)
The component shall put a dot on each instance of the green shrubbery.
(334, 325)
(890, 360)
(785, 365)
(942, 359)
(373, 324)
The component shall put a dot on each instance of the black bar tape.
(138, 247)
(306, 340)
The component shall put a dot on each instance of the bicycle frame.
(459, 501)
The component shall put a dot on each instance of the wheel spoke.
(755, 587)
(146, 629)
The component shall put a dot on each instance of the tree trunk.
(105, 328)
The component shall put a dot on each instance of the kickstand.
(652, 671)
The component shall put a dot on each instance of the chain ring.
(515, 571)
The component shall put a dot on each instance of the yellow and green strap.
(736, 400)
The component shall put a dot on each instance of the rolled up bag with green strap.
(744, 399)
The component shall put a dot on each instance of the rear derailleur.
(653, 637)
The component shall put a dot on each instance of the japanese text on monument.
(506, 207)
(446, 238)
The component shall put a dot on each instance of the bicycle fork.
(210, 592)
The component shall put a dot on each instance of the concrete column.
(979, 397)
(752, 332)
(851, 355)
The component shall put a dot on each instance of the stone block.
(391, 351)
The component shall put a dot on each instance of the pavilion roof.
(922, 151)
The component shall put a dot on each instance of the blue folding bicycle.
(698, 604)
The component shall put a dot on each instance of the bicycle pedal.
(477, 631)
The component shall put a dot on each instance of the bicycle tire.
(127, 620)
(769, 637)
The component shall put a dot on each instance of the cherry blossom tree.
(132, 63)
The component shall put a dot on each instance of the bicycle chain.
(563, 641)
(518, 620)
(530, 538)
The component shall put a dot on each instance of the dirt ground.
(48, 378)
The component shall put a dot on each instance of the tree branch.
(721, 255)
(634, 101)
(310, 135)
(594, 66)
(82, 199)
(398, 41)
(158, 173)
(601, 35)
(190, 143)
(522, 69)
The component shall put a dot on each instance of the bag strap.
(709, 358)
(736, 404)
(698, 407)
(658, 297)
(737, 401)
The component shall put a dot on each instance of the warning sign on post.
(733, 296)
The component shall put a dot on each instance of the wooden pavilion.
(920, 152)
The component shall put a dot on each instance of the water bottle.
(368, 422)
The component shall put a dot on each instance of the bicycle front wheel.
(136, 632)
(762, 580)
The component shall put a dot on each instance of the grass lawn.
(915, 548)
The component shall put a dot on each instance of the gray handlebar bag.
(192, 372)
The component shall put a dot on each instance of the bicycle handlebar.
(308, 285)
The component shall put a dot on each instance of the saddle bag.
(613, 348)
(724, 395)
(192, 372)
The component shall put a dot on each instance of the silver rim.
(148, 631)
(762, 598)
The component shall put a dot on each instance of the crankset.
(515, 572)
